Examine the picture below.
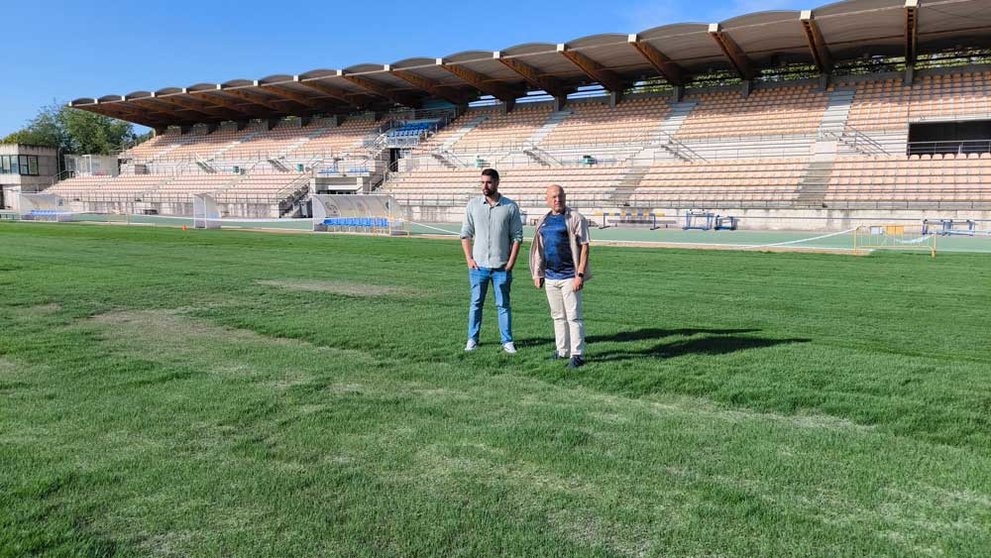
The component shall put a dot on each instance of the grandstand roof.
(677, 52)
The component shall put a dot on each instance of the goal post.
(206, 212)
(914, 238)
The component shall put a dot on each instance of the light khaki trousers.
(566, 311)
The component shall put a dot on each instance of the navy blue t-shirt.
(558, 261)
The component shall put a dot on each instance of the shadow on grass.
(650, 333)
(713, 342)
(702, 346)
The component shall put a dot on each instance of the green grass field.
(225, 393)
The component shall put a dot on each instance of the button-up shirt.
(493, 229)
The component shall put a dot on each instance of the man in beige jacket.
(559, 265)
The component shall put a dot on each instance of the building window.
(25, 165)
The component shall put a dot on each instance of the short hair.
(492, 173)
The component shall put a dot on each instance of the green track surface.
(222, 393)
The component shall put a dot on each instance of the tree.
(75, 131)
(45, 129)
(94, 133)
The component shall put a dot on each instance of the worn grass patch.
(334, 287)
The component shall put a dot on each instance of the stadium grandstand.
(809, 119)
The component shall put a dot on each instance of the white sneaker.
(509, 348)
(471, 346)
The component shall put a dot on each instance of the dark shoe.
(576, 362)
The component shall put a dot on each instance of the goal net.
(894, 237)
(206, 212)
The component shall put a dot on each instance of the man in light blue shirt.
(491, 236)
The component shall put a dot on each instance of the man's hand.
(472, 264)
(538, 282)
(579, 283)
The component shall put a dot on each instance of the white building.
(25, 168)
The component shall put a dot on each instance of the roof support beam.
(595, 71)
(744, 67)
(254, 98)
(532, 76)
(216, 97)
(483, 83)
(382, 90)
(212, 112)
(431, 87)
(152, 106)
(332, 92)
(672, 72)
(122, 112)
(285, 93)
(817, 45)
(911, 30)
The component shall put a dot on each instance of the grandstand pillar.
(304, 121)
(240, 125)
(824, 80)
(614, 98)
(212, 127)
(747, 87)
(161, 130)
(678, 93)
(270, 123)
(559, 102)
(185, 129)
(909, 78)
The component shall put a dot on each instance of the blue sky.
(59, 51)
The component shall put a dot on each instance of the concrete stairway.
(553, 121)
(462, 131)
(815, 181)
(628, 185)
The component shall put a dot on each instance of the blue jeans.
(501, 280)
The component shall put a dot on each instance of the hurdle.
(619, 218)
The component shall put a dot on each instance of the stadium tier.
(926, 182)
(766, 112)
(781, 146)
(888, 104)
(848, 107)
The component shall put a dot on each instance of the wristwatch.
(582, 275)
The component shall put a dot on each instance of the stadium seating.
(716, 147)
(765, 112)
(755, 182)
(124, 187)
(929, 181)
(502, 131)
(525, 185)
(891, 105)
(632, 121)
